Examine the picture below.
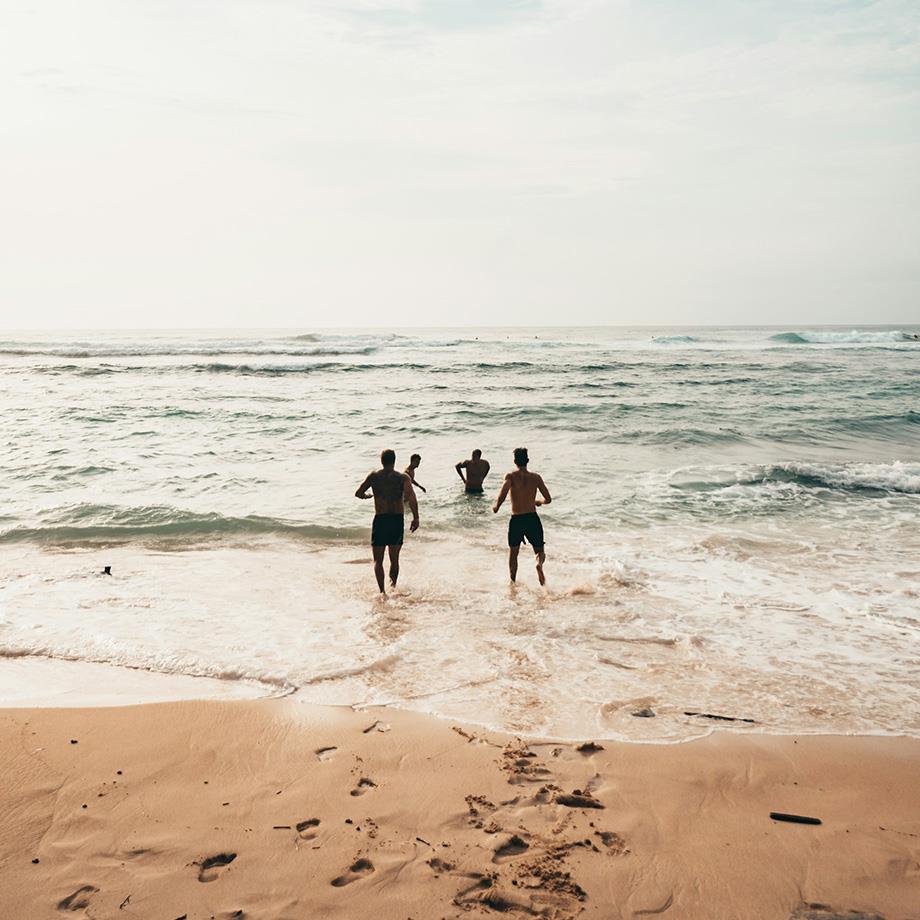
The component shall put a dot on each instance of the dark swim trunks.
(474, 490)
(388, 530)
(526, 528)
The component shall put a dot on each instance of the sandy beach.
(284, 810)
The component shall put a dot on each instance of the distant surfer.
(476, 471)
(392, 490)
(414, 462)
(525, 523)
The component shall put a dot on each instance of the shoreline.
(64, 682)
(271, 808)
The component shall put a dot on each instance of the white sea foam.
(804, 637)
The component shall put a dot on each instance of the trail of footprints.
(536, 832)
(521, 866)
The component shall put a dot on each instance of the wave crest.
(674, 339)
(853, 337)
(896, 477)
(91, 523)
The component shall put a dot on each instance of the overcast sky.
(368, 162)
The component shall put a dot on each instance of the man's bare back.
(524, 486)
(391, 490)
(476, 471)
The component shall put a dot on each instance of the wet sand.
(276, 809)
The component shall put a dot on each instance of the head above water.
(477, 454)
(415, 459)
(520, 456)
(388, 457)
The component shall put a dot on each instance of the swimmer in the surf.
(476, 471)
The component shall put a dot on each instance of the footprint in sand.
(79, 900)
(209, 869)
(512, 847)
(578, 799)
(358, 869)
(325, 753)
(363, 785)
(615, 844)
(440, 865)
(307, 829)
(660, 907)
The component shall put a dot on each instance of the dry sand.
(273, 809)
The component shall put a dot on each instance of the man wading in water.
(391, 489)
(476, 471)
(525, 523)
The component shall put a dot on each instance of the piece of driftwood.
(794, 819)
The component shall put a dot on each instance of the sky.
(200, 163)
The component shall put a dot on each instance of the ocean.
(735, 526)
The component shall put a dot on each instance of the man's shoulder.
(386, 474)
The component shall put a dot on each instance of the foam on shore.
(47, 682)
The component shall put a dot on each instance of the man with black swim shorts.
(525, 523)
(476, 471)
(391, 490)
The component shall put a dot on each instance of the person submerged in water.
(414, 463)
(525, 523)
(391, 490)
(476, 471)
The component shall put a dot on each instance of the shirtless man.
(414, 463)
(525, 523)
(391, 490)
(476, 471)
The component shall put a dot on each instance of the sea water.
(735, 525)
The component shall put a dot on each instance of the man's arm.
(361, 491)
(503, 494)
(541, 487)
(415, 482)
(411, 501)
(460, 467)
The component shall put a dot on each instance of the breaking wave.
(91, 523)
(854, 337)
(896, 477)
(674, 339)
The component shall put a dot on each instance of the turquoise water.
(734, 526)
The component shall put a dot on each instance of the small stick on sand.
(794, 819)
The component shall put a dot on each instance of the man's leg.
(394, 562)
(541, 558)
(513, 560)
(378, 566)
